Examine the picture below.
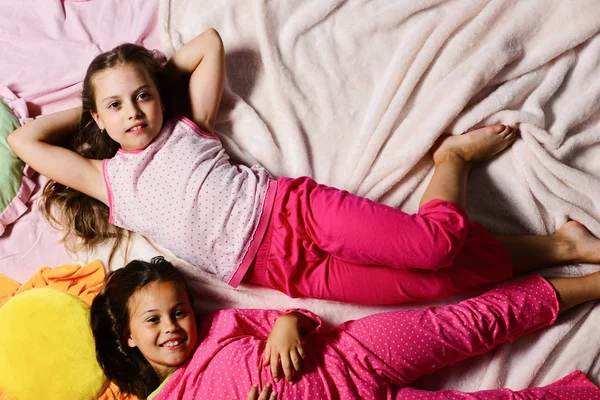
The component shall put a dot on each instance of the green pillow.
(15, 187)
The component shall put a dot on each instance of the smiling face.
(128, 105)
(162, 325)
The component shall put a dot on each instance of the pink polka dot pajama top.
(374, 357)
(293, 235)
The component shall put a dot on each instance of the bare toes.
(498, 128)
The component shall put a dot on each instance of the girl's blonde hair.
(83, 218)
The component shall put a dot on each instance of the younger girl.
(170, 180)
(146, 333)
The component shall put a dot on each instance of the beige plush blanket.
(354, 93)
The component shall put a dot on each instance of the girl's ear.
(97, 119)
(130, 342)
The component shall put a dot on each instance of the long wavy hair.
(109, 318)
(83, 219)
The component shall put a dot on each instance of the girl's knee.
(446, 226)
(450, 214)
(442, 257)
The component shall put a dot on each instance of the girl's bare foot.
(583, 246)
(474, 146)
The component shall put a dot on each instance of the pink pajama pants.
(326, 243)
(574, 386)
(377, 356)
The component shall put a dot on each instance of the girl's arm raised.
(202, 60)
(36, 144)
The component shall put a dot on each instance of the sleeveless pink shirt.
(182, 192)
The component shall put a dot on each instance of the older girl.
(131, 166)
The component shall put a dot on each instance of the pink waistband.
(260, 235)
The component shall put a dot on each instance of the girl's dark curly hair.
(124, 365)
(83, 219)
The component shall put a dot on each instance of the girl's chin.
(135, 145)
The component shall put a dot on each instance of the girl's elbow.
(18, 142)
(13, 141)
(212, 33)
(213, 39)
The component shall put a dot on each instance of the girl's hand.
(285, 343)
(265, 394)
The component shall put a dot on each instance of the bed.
(354, 93)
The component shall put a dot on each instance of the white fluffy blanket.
(354, 93)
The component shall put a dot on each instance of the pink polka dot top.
(182, 192)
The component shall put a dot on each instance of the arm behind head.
(82, 218)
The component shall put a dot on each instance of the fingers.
(267, 357)
(274, 365)
(292, 362)
(253, 395)
(265, 394)
(296, 357)
(286, 365)
(301, 351)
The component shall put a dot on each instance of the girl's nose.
(170, 326)
(134, 112)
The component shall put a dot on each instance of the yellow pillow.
(47, 349)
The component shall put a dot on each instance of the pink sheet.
(46, 45)
(30, 243)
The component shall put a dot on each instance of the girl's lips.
(137, 129)
(177, 347)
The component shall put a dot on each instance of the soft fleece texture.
(355, 93)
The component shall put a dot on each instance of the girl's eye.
(113, 105)
(152, 320)
(143, 96)
(180, 314)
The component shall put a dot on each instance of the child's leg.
(454, 155)
(316, 274)
(307, 215)
(405, 345)
(360, 231)
(482, 260)
(572, 243)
